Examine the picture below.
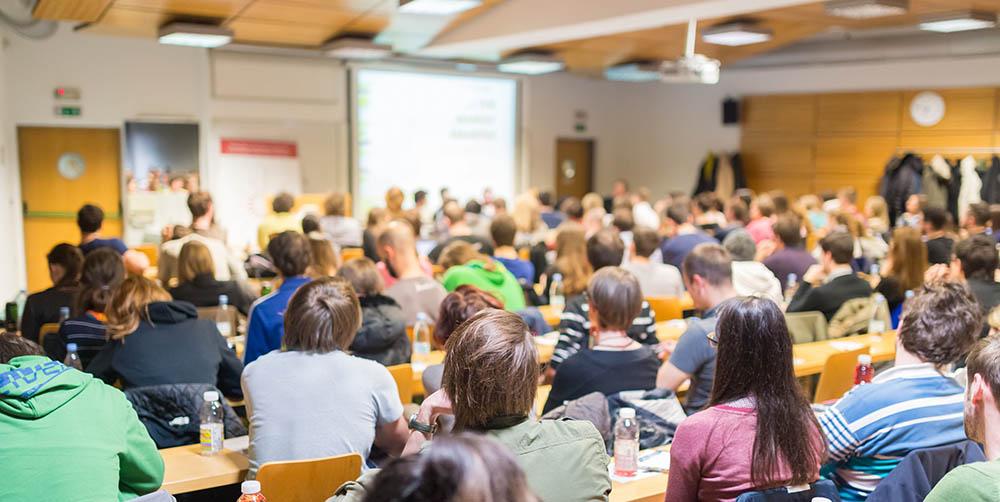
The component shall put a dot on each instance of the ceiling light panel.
(736, 34)
(866, 9)
(961, 21)
(437, 7)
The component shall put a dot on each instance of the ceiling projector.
(693, 69)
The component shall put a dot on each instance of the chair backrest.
(49, 328)
(403, 375)
(853, 316)
(541, 395)
(666, 308)
(310, 480)
(351, 253)
(524, 254)
(838, 375)
(805, 327)
(824, 488)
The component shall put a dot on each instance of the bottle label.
(226, 328)
(211, 438)
(626, 457)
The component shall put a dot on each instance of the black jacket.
(829, 297)
(991, 183)
(171, 413)
(901, 179)
(204, 291)
(171, 346)
(43, 307)
(920, 470)
(708, 178)
(382, 336)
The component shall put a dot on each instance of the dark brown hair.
(940, 323)
(13, 345)
(70, 259)
(290, 253)
(283, 202)
(840, 245)
(622, 219)
(363, 276)
(755, 361)
(978, 256)
(615, 295)
(984, 360)
(103, 272)
(646, 241)
(458, 306)
(322, 316)
(605, 249)
(571, 258)
(710, 262)
(788, 228)
(503, 229)
(491, 369)
(909, 257)
(737, 210)
(199, 203)
(936, 217)
(980, 212)
(323, 259)
(572, 208)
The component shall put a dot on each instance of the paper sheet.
(239, 443)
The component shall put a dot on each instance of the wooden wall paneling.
(948, 142)
(285, 12)
(856, 161)
(204, 8)
(127, 21)
(71, 10)
(791, 114)
(853, 113)
(252, 30)
(773, 162)
(965, 110)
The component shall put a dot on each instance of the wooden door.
(574, 167)
(51, 199)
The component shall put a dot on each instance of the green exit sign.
(68, 111)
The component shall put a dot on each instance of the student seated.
(750, 277)
(490, 380)
(156, 341)
(43, 307)
(456, 308)
(570, 262)
(759, 431)
(342, 230)
(346, 403)
(682, 235)
(760, 226)
(976, 261)
(66, 435)
(789, 255)
(549, 214)
(655, 279)
(197, 283)
(279, 221)
(459, 230)
(324, 255)
(708, 277)
(415, 290)
(225, 265)
(904, 268)
(503, 229)
(291, 255)
(103, 272)
(939, 244)
(90, 219)
(614, 362)
(912, 406)
(382, 336)
(464, 265)
(825, 287)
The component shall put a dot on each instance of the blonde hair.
(875, 207)
(195, 259)
(571, 258)
(592, 200)
(810, 202)
(129, 305)
(909, 257)
(527, 212)
(460, 253)
(363, 276)
(324, 261)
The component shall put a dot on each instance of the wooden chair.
(524, 254)
(151, 251)
(805, 327)
(403, 375)
(351, 253)
(541, 396)
(838, 375)
(49, 328)
(307, 480)
(666, 308)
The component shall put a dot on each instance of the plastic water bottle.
(421, 342)
(864, 371)
(20, 300)
(909, 294)
(251, 492)
(72, 358)
(626, 443)
(791, 285)
(212, 431)
(876, 325)
(223, 317)
(874, 270)
(266, 288)
(63, 314)
(556, 297)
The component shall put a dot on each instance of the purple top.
(789, 261)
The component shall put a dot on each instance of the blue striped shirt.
(874, 426)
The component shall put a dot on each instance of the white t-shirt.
(657, 279)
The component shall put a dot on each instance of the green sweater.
(68, 436)
(498, 282)
(975, 482)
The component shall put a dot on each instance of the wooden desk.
(649, 489)
(810, 357)
(186, 470)
(551, 315)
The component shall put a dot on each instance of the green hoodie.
(65, 435)
(495, 280)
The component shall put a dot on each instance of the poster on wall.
(250, 171)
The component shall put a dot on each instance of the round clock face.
(927, 109)
(71, 165)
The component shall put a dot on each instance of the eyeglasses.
(713, 338)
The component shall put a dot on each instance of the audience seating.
(151, 251)
(824, 489)
(307, 480)
(666, 308)
(351, 253)
(541, 396)
(805, 327)
(838, 375)
(914, 477)
(403, 375)
(209, 314)
(49, 328)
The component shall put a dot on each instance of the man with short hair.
(825, 287)
(503, 230)
(977, 219)
(655, 279)
(290, 253)
(790, 255)
(737, 215)
(280, 220)
(914, 405)
(90, 220)
(708, 277)
(978, 481)
(939, 245)
(550, 215)
(414, 290)
(203, 216)
(459, 230)
(682, 235)
(227, 265)
(976, 264)
(573, 209)
(750, 277)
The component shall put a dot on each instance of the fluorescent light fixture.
(195, 35)
(866, 9)
(348, 47)
(634, 71)
(531, 63)
(736, 34)
(437, 7)
(961, 21)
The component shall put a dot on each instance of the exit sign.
(68, 111)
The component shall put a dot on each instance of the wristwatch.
(416, 425)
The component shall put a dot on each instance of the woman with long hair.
(571, 261)
(65, 261)
(325, 259)
(197, 284)
(904, 267)
(759, 431)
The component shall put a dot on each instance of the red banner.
(261, 148)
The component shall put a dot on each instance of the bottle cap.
(909, 294)
(422, 316)
(250, 487)
(865, 358)
(223, 300)
(879, 298)
(64, 310)
(626, 413)
(556, 277)
(71, 347)
(792, 277)
(211, 395)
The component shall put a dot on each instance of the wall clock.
(71, 165)
(927, 109)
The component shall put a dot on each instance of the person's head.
(500, 205)
(377, 217)
(89, 219)
(848, 197)
(762, 207)
(363, 276)
(875, 207)
(977, 217)
(913, 204)
(394, 199)
(619, 188)
(473, 207)
(490, 370)
(195, 259)
(14, 345)
(622, 219)
(129, 303)
(838, 249)
(935, 219)
(593, 220)
(571, 258)
(737, 211)
(679, 213)
(977, 257)
(940, 323)
(459, 468)
(458, 306)
(397, 243)
(754, 359)
(645, 241)
(788, 229)
(200, 204)
(780, 200)
(65, 261)
(103, 271)
(572, 208)
(545, 198)
(707, 270)
(982, 394)
(908, 255)
(283, 202)
(335, 204)
(745, 194)
(420, 198)
(811, 202)
(605, 249)
(454, 213)
(310, 224)
(503, 229)
(592, 200)
(323, 259)
(290, 253)
(322, 316)
(527, 213)
(459, 253)
(615, 299)
(740, 245)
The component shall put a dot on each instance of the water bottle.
(72, 358)
(421, 342)
(223, 317)
(626, 443)
(909, 294)
(251, 492)
(874, 269)
(556, 297)
(63, 314)
(791, 285)
(876, 325)
(212, 431)
(20, 300)
(266, 288)
(864, 371)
